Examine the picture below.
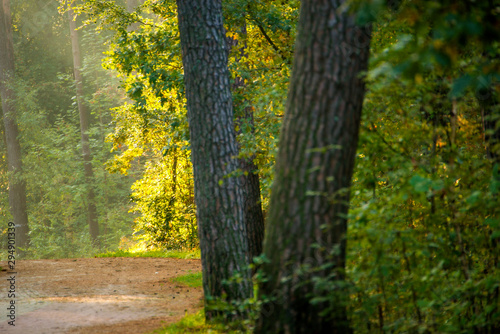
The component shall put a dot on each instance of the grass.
(193, 280)
(176, 254)
(194, 323)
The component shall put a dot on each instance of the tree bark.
(254, 218)
(250, 182)
(84, 127)
(306, 227)
(219, 199)
(17, 186)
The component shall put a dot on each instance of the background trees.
(17, 184)
(49, 136)
(84, 113)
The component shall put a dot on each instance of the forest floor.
(97, 295)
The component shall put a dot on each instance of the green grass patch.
(176, 254)
(193, 323)
(193, 280)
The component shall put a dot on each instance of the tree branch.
(270, 41)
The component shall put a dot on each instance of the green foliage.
(457, 39)
(145, 50)
(153, 129)
(422, 254)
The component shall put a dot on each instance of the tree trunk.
(17, 186)
(219, 199)
(250, 183)
(306, 226)
(84, 127)
(491, 122)
(254, 218)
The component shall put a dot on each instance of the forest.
(336, 163)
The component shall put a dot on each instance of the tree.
(17, 186)
(305, 242)
(84, 127)
(250, 183)
(487, 98)
(218, 197)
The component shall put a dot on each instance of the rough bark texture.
(219, 199)
(250, 183)
(254, 218)
(17, 186)
(306, 223)
(84, 127)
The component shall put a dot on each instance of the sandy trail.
(98, 295)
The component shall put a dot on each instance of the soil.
(98, 295)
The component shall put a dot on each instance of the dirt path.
(99, 295)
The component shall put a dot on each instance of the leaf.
(492, 222)
(420, 184)
(460, 85)
(495, 235)
(474, 197)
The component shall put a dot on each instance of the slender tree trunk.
(254, 218)
(84, 127)
(219, 199)
(489, 100)
(306, 226)
(17, 186)
(491, 122)
(490, 111)
(250, 183)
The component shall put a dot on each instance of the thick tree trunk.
(250, 183)
(84, 127)
(306, 225)
(219, 199)
(17, 186)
